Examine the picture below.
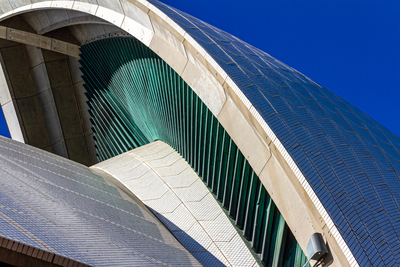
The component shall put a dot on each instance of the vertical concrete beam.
(46, 100)
(38, 95)
(23, 95)
(66, 104)
(81, 98)
(65, 98)
(22, 108)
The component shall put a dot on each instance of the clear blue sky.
(350, 47)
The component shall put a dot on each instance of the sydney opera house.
(142, 136)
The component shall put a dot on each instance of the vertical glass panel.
(136, 98)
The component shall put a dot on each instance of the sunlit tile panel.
(62, 207)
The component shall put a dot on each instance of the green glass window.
(136, 98)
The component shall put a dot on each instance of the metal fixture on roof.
(316, 248)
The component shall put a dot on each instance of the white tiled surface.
(167, 184)
(62, 212)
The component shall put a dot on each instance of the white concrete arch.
(287, 186)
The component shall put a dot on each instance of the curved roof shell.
(181, 200)
(351, 162)
(347, 163)
(69, 211)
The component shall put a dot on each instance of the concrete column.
(62, 85)
(46, 100)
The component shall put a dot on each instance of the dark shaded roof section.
(59, 206)
(350, 160)
(14, 253)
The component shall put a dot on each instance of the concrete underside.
(42, 94)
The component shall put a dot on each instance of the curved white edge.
(272, 136)
(145, 35)
(136, 29)
(314, 198)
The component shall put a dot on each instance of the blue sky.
(350, 47)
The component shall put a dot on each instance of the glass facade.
(136, 98)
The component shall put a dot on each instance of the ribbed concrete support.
(45, 97)
(21, 90)
(65, 98)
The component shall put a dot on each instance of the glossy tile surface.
(181, 200)
(351, 161)
(65, 208)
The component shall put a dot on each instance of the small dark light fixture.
(316, 248)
